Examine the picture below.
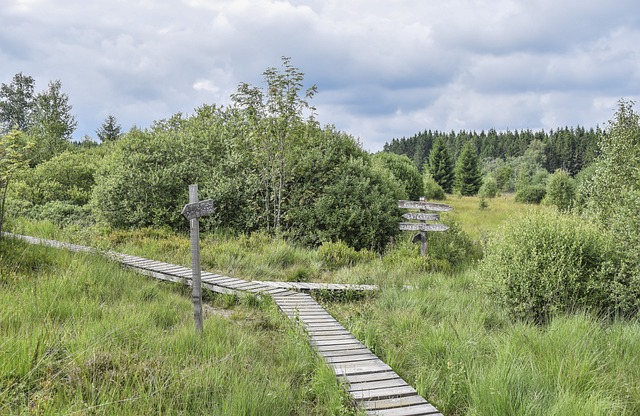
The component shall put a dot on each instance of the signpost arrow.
(198, 209)
(418, 226)
(421, 216)
(428, 206)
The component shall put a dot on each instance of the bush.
(543, 263)
(489, 188)
(561, 190)
(403, 170)
(335, 255)
(432, 191)
(533, 194)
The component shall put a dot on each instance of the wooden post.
(196, 283)
(423, 234)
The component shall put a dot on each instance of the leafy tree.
(52, 123)
(16, 103)
(489, 188)
(613, 193)
(14, 151)
(432, 191)
(274, 123)
(110, 130)
(468, 177)
(441, 165)
(561, 190)
(404, 171)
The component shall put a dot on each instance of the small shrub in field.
(338, 254)
(489, 188)
(561, 190)
(432, 191)
(544, 263)
(532, 194)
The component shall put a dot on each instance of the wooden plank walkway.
(371, 383)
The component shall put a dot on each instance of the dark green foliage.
(354, 203)
(110, 131)
(404, 171)
(432, 191)
(531, 194)
(468, 177)
(67, 177)
(441, 165)
(567, 148)
(16, 103)
(561, 190)
(543, 264)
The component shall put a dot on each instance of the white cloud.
(383, 69)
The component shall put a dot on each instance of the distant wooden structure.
(423, 217)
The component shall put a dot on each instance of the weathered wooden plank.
(351, 358)
(386, 393)
(364, 368)
(429, 206)
(393, 403)
(419, 226)
(372, 385)
(344, 347)
(364, 378)
(421, 216)
(344, 353)
(198, 209)
(414, 410)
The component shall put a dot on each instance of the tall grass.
(80, 335)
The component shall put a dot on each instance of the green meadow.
(80, 335)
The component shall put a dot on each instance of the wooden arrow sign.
(417, 226)
(421, 216)
(428, 206)
(198, 209)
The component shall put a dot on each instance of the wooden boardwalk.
(370, 382)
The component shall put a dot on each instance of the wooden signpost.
(423, 217)
(192, 211)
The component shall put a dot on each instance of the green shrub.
(403, 170)
(432, 191)
(561, 190)
(489, 188)
(63, 213)
(544, 263)
(335, 255)
(532, 194)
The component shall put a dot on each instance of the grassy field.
(438, 330)
(81, 335)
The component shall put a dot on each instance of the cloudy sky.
(384, 69)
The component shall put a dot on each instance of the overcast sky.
(384, 69)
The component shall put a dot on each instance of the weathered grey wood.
(421, 216)
(419, 226)
(351, 358)
(386, 393)
(413, 410)
(195, 255)
(363, 378)
(364, 368)
(372, 385)
(391, 403)
(344, 353)
(429, 206)
(197, 209)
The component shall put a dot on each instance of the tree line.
(570, 149)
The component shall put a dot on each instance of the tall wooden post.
(196, 283)
(423, 234)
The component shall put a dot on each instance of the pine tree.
(110, 131)
(468, 177)
(441, 165)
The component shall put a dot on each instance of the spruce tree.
(468, 177)
(441, 165)
(110, 131)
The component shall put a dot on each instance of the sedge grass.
(84, 336)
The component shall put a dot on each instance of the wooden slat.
(414, 410)
(392, 403)
(371, 385)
